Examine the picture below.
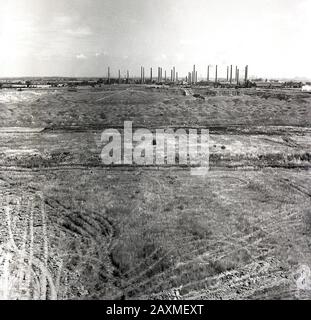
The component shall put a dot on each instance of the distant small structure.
(306, 88)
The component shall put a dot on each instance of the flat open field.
(72, 228)
(110, 106)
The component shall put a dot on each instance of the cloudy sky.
(83, 37)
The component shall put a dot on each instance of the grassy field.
(110, 106)
(73, 228)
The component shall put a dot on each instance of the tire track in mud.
(88, 218)
(158, 188)
(269, 230)
(243, 282)
(297, 186)
(39, 259)
(101, 229)
(273, 227)
(26, 268)
(86, 223)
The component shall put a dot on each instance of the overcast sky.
(83, 37)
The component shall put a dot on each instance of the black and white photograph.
(155, 150)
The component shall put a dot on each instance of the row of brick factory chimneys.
(191, 78)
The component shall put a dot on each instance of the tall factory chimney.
(230, 74)
(151, 75)
(227, 73)
(144, 74)
(119, 77)
(208, 74)
(216, 74)
(246, 73)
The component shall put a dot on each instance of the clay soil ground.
(72, 228)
